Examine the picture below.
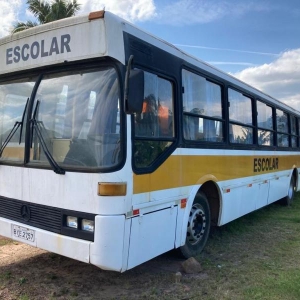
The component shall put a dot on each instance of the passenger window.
(240, 118)
(282, 128)
(202, 108)
(293, 131)
(264, 124)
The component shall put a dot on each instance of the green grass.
(5, 241)
(24, 297)
(256, 256)
(5, 276)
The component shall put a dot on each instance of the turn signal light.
(112, 189)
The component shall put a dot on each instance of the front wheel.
(198, 227)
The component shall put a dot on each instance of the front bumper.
(106, 252)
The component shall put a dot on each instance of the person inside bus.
(155, 119)
(164, 120)
(146, 122)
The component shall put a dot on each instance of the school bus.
(117, 147)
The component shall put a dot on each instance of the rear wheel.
(288, 200)
(198, 227)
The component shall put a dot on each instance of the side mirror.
(134, 91)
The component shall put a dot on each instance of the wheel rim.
(196, 224)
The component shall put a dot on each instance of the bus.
(116, 146)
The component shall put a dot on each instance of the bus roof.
(90, 36)
(70, 39)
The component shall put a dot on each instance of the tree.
(46, 12)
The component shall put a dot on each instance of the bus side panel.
(241, 200)
(181, 227)
(262, 194)
(279, 186)
(151, 235)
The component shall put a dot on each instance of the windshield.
(13, 99)
(76, 116)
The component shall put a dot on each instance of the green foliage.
(46, 12)
(20, 26)
(22, 280)
(147, 151)
(24, 297)
(6, 275)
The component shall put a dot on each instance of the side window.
(154, 126)
(282, 128)
(293, 131)
(202, 109)
(264, 124)
(240, 118)
(156, 119)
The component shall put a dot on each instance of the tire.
(198, 227)
(288, 200)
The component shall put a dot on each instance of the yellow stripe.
(186, 170)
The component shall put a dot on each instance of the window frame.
(221, 120)
(158, 160)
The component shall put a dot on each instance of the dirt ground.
(31, 273)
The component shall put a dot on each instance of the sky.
(257, 41)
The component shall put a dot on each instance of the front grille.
(41, 216)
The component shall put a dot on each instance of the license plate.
(23, 233)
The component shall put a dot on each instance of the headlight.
(78, 225)
(87, 225)
(72, 222)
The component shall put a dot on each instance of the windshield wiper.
(38, 125)
(22, 122)
(14, 130)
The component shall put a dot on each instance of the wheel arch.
(213, 194)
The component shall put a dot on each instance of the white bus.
(117, 147)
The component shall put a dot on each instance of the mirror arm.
(126, 88)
